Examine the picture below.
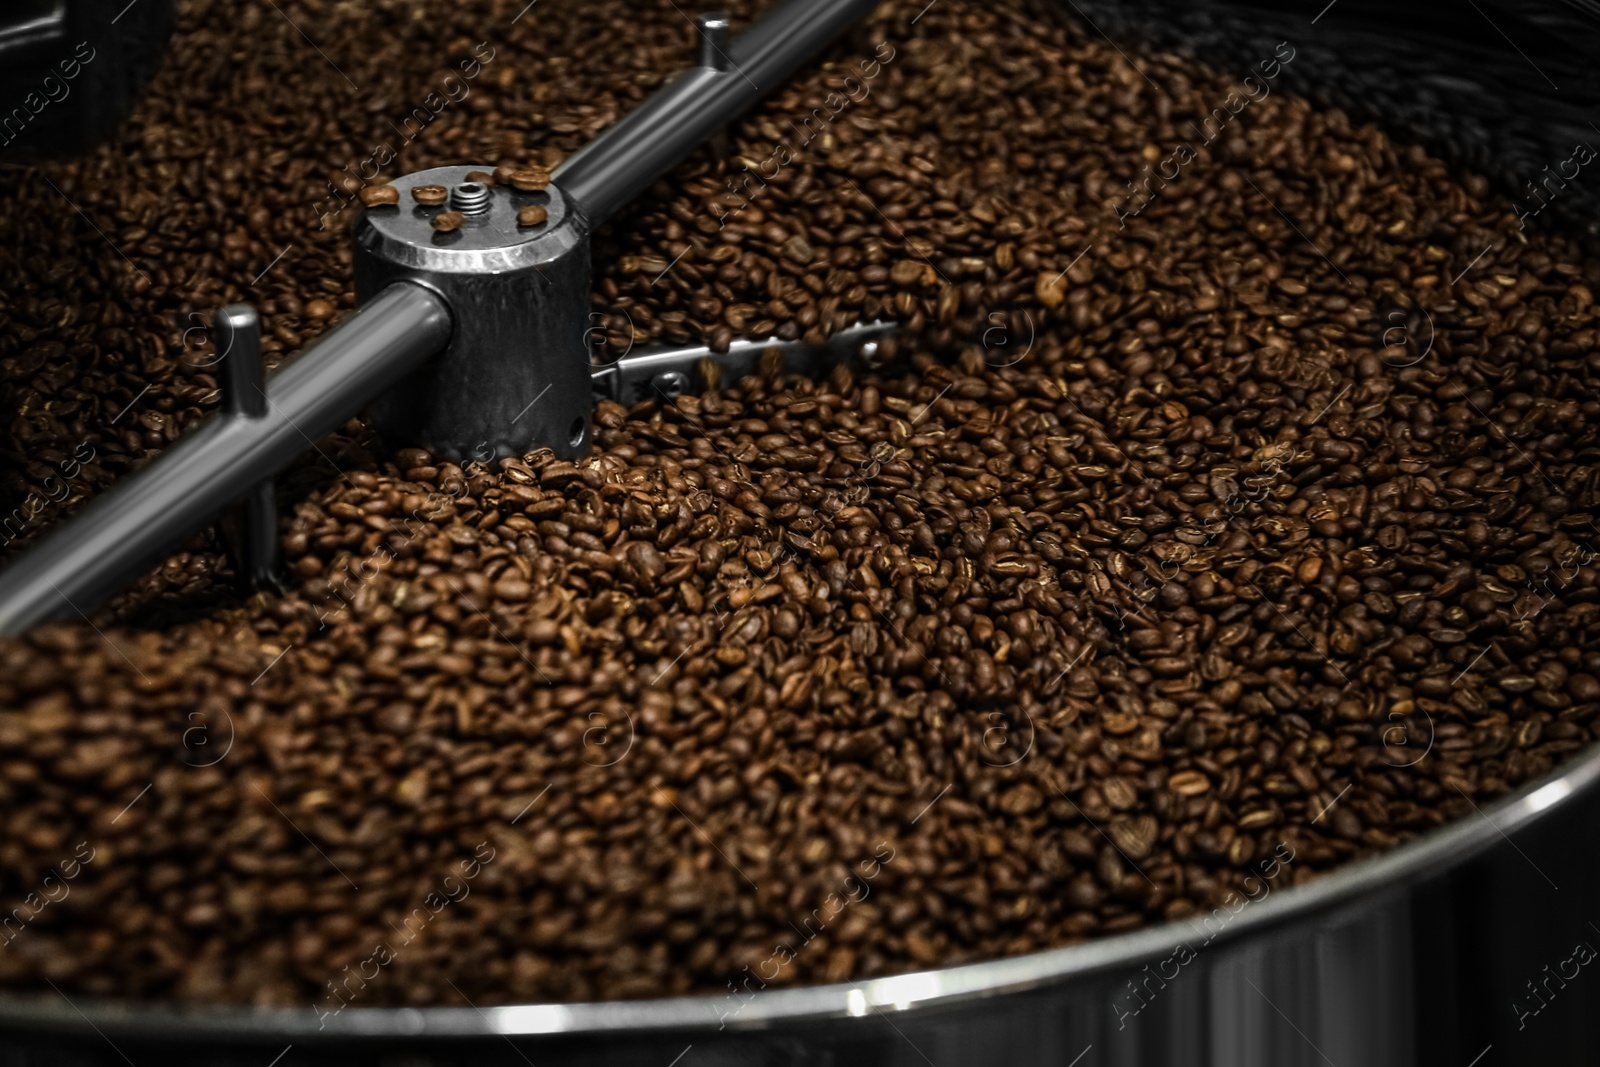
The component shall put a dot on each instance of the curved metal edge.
(518, 250)
(1449, 847)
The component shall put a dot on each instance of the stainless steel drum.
(1473, 947)
(1461, 950)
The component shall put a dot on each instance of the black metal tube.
(116, 537)
(622, 162)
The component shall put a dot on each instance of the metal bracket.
(643, 375)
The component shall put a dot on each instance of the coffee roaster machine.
(1463, 949)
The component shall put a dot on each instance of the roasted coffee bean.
(380, 196)
(448, 221)
(430, 195)
(482, 177)
(1160, 553)
(529, 179)
(533, 215)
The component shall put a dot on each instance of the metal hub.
(472, 336)
(515, 376)
(489, 234)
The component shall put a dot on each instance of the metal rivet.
(670, 382)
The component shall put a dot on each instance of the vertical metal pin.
(239, 361)
(244, 395)
(713, 29)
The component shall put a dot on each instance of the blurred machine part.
(72, 70)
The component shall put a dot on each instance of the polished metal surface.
(516, 374)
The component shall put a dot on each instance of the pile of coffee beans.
(1250, 527)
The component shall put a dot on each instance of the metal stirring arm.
(648, 142)
(116, 537)
(409, 346)
(666, 372)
